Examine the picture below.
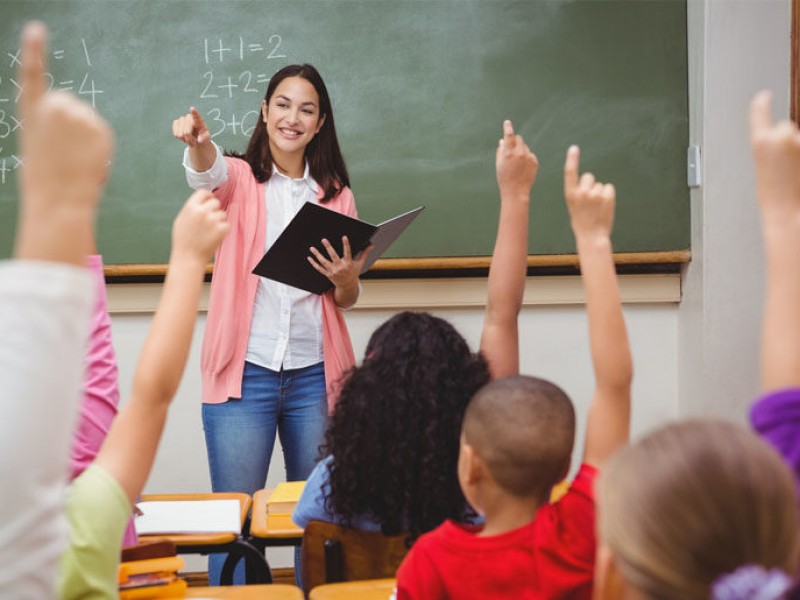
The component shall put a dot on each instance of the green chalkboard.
(419, 89)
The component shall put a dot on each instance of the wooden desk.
(262, 535)
(373, 589)
(235, 545)
(247, 592)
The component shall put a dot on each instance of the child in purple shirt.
(776, 153)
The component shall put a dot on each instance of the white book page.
(188, 516)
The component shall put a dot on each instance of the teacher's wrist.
(346, 295)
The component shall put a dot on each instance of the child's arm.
(776, 152)
(44, 318)
(130, 447)
(591, 210)
(516, 168)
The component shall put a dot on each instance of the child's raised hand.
(776, 153)
(66, 146)
(191, 129)
(590, 203)
(515, 164)
(199, 227)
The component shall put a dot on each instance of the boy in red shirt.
(516, 443)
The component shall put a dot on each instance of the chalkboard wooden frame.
(385, 268)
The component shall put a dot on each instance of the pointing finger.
(571, 168)
(33, 65)
(760, 112)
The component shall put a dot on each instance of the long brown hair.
(694, 501)
(325, 161)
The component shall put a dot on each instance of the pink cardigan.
(233, 291)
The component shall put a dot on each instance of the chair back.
(332, 553)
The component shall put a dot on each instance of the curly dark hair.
(394, 435)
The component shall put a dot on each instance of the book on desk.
(188, 516)
(281, 504)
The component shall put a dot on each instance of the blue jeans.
(240, 434)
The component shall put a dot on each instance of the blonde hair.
(693, 501)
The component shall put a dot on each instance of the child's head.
(520, 430)
(394, 433)
(687, 506)
(321, 149)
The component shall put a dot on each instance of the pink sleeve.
(238, 170)
(100, 383)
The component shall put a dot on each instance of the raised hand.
(66, 148)
(191, 129)
(199, 227)
(776, 152)
(515, 164)
(590, 203)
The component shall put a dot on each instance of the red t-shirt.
(552, 557)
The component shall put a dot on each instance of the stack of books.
(151, 578)
(281, 504)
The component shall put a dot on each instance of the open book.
(287, 259)
(188, 516)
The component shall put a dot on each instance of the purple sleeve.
(100, 383)
(776, 417)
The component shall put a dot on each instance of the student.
(100, 386)
(705, 509)
(393, 440)
(696, 510)
(776, 153)
(270, 351)
(98, 406)
(99, 501)
(516, 444)
(45, 300)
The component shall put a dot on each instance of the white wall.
(736, 47)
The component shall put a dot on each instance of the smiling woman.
(271, 351)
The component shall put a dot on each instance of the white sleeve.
(45, 310)
(207, 180)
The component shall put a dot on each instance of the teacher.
(271, 352)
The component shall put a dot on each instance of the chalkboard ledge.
(462, 266)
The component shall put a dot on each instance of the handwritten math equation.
(223, 81)
(77, 56)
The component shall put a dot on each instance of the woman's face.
(292, 117)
